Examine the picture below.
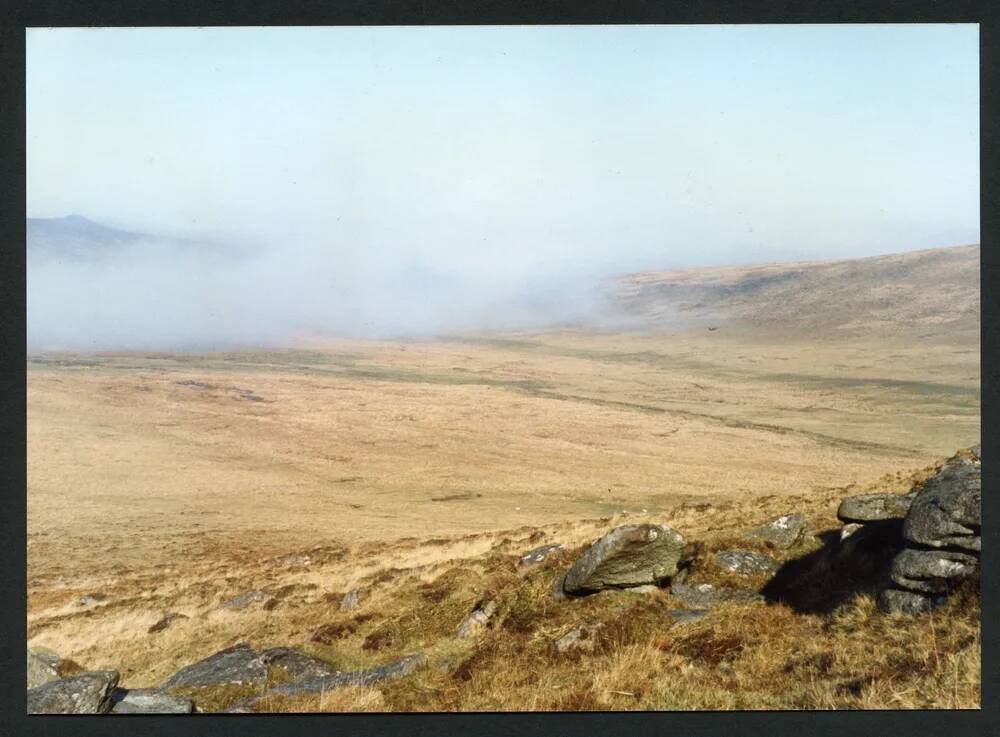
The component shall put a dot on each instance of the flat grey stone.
(297, 664)
(630, 555)
(538, 555)
(706, 595)
(782, 532)
(85, 693)
(932, 571)
(907, 602)
(874, 507)
(239, 664)
(746, 562)
(366, 677)
(149, 701)
(43, 667)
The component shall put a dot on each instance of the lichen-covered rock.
(907, 602)
(86, 693)
(476, 621)
(782, 532)
(538, 555)
(630, 555)
(297, 665)
(746, 562)
(932, 571)
(947, 510)
(149, 701)
(706, 595)
(874, 507)
(240, 665)
(367, 677)
(942, 536)
(43, 667)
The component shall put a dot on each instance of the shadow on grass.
(819, 582)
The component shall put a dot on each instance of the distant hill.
(936, 287)
(74, 238)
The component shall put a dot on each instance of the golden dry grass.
(418, 471)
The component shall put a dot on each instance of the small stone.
(86, 693)
(244, 600)
(580, 637)
(165, 621)
(293, 559)
(874, 507)
(149, 701)
(89, 600)
(782, 532)
(746, 562)
(43, 667)
(367, 677)
(297, 664)
(907, 602)
(350, 600)
(239, 665)
(642, 590)
(706, 595)
(849, 529)
(538, 555)
(477, 620)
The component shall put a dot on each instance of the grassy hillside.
(929, 289)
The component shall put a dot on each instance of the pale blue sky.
(635, 145)
(484, 154)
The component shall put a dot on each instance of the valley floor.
(419, 471)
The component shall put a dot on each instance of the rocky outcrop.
(240, 665)
(86, 693)
(149, 701)
(780, 533)
(631, 555)
(941, 535)
(746, 562)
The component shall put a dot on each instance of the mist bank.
(90, 287)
